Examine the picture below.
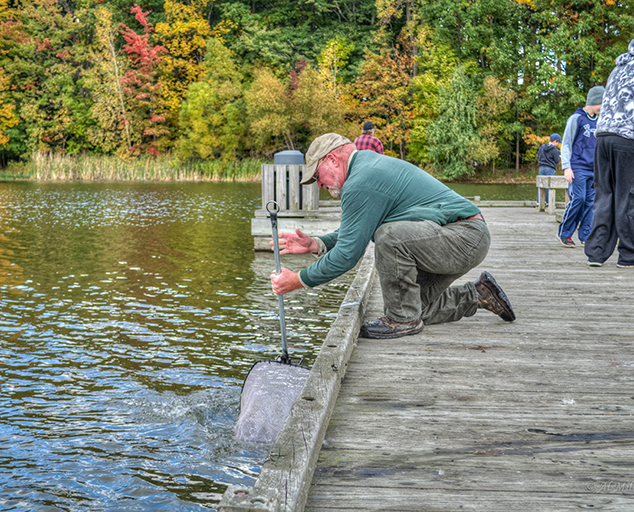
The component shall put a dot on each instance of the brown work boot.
(385, 328)
(493, 298)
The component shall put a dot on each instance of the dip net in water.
(268, 394)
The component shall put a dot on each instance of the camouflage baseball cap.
(320, 147)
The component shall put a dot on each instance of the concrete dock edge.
(286, 475)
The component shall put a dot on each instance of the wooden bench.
(550, 184)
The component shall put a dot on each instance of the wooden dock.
(480, 414)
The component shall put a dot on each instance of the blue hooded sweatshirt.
(577, 147)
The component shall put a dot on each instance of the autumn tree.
(147, 113)
(184, 35)
(111, 131)
(314, 110)
(43, 46)
(381, 94)
(289, 116)
(212, 117)
(268, 111)
(8, 117)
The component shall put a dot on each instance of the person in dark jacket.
(614, 169)
(548, 158)
(577, 161)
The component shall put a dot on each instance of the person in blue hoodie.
(577, 161)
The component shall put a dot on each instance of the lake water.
(130, 315)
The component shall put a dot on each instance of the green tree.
(212, 117)
(436, 64)
(453, 136)
(332, 60)
(495, 122)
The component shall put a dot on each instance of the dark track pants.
(614, 200)
(578, 213)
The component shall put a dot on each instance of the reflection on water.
(129, 317)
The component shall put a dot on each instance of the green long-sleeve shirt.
(380, 189)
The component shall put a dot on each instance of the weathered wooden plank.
(310, 195)
(551, 182)
(312, 226)
(542, 198)
(293, 187)
(281, 186)
(268, 184)
(405, 499)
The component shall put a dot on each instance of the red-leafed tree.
(146, 114)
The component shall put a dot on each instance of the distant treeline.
(450, 85)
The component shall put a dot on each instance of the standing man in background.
(548, 158)
(614, 169)
(577, 161)
(367, 140)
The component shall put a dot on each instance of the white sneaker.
(594, 264)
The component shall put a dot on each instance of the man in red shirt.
(367, 140)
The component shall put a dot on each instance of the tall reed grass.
(49, 167)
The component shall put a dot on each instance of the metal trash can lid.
(289, 157)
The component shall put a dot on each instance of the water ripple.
(129, 317)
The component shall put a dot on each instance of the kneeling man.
(426, 236)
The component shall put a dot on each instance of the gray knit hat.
(595, 95)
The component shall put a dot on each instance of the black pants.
(614, 200)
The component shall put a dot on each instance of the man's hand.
(569, 175)
(296, 243)
(285, 282)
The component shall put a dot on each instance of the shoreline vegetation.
(51, 167)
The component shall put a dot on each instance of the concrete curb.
(287, 473)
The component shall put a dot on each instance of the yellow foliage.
(387, 9)
(5, 11)
(8, 117)
(112, 133)
(533, 142)
(222, 28)
(185, 35)
(268, 109)
(313, 106)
